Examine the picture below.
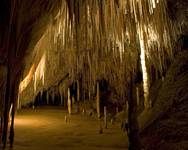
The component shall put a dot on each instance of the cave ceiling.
(22, 24)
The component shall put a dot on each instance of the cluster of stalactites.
(106, 38)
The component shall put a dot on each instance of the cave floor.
(46, 128)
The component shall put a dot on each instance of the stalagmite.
(69, 104)
(78, 96)
(61, 97)
(127, 106)
(65, 100)
(18, 102)
(133, 134)
(98, 101)
(78, 91)
(12, 115)
(98, 109)
(53, 96)
(47, 97)
(105, 117)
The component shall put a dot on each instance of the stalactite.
(144, 69)
(101, 39)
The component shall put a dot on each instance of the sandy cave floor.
(46, 129)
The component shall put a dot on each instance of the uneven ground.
(46, 129)
(166, 124)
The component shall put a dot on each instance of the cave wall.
(51, 76)
(20, 29)
(165, 125)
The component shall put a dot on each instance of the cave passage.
(93, 74)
